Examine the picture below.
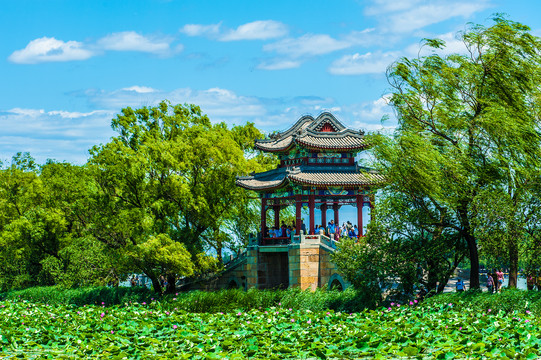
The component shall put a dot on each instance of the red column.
(298, 214)
(360, 214)
(311, 206)
(324, 215)
(263, 217)
(276, 216)
(335, 207)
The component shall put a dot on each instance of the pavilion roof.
(319, 176)
(325, 132)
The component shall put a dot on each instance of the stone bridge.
(300, 261)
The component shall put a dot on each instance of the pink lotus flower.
(292, 320)
(102, 314)
(144, 303)
(309, 322)
(112, 332)
(415, 301)
(174, 326)
(411, 302)
(389, 309)
(102, 303)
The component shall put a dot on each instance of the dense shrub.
(508, 300)
(233, 300)
(199, 301)
(81, 296)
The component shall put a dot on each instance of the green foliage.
(362, 265)
(467, 124)
(44, 220)
(58, 296)
(169, 177)
(198, 301)
(158, 199)
(508, 301)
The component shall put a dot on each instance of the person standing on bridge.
(331, 229)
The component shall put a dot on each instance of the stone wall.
(327, 268)
(305, 265)
(304, 262)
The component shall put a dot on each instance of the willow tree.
(467, 123)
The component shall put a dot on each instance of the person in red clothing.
(499, 284)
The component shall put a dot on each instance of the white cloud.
(256, 30)
(368, 37)
(368, 115)
(307, 45)
(408, 15)
(57, 134)
(357, 64)
(386, 6)
(74, 114)
(132, 41)
(67, 135)
(279, 64)
(140, 89)
(48, 49)
(201, 30)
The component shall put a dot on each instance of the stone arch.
(336, 281)
(234, 283)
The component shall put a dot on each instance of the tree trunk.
(474, 262)
(155, 283)
(513, 262)
(472, 246)
(171, 287)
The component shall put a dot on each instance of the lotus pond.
(146, 331)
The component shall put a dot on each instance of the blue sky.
(67, 67)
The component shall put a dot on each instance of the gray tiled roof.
(346, 141)
(336, 178)
(306, 132)
(344, 176)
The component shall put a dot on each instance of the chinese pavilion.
(317, 169)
